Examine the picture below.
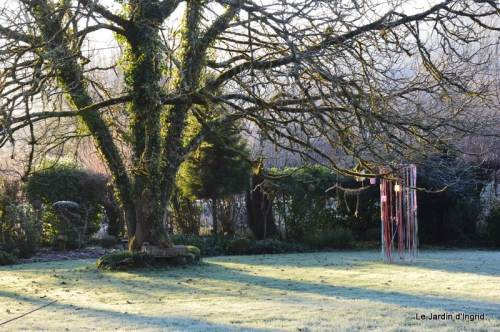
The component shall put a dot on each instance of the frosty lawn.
(338, 291)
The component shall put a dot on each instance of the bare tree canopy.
(374, 81)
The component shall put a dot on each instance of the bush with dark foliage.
(7, 259)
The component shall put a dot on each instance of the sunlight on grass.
(339, 291)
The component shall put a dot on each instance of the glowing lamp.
(373, 181)
(397, 188)
(384, 198)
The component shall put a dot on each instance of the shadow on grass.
(478, 262)
(426, 302)
(119, 321)
(223, 275)
(158, 283)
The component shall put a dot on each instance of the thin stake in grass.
(45, 305)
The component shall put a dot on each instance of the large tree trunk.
(73, 82)
(144, 190)
(150, 225)
(153, 181)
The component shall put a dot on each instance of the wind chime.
(398, 205)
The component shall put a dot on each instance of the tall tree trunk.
(259, 211)
(151, 191)
(112, 218)
(215, 222)
(70, 73)
(150, 225)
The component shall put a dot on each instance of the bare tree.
(372, 81)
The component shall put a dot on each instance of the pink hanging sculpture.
(398, 207)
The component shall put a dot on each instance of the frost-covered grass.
(337, 291)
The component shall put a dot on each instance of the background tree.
(260, 214)
(216, 169)
(185, 213)
(337, 82)
(302, 201)
(452, 214)
(493, 224)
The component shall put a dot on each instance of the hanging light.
(397, 188)
(384, 198)
(373, 180)
(360, 178)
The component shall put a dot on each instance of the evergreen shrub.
(373, 234)
(107, 241)
(21, 231)
(222, 245)
(337, 238)
(7, 259)
(240, 246)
